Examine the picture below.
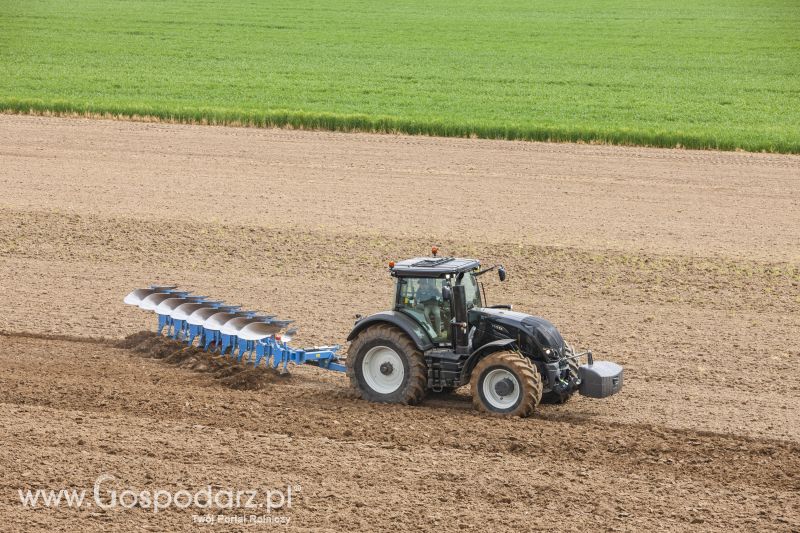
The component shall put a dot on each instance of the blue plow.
(247, 336)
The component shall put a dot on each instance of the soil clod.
(225, 369)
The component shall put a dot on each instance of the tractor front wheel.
(385, 366)
(506, 384)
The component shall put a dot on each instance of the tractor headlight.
(551, 354)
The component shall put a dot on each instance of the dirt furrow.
(680, 265)
(238, 431)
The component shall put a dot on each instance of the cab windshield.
(471, 290)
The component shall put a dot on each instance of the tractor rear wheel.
(506, 384)
(384, 365)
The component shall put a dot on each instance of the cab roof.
(433, 267)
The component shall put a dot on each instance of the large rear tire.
(506, 384)
(384, 365)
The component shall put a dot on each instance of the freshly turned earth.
(683, 266)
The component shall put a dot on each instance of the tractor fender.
(395, 318)
(486, 349)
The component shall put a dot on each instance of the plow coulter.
(246, 336)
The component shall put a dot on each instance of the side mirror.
(447, 295)
(501, 273)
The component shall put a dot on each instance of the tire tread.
(521, 367)
(416, 387)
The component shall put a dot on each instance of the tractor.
(442, 335)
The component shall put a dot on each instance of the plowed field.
(683, 266)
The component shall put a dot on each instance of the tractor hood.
(542, 333)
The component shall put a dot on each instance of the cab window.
(471, 290)
(421, 299)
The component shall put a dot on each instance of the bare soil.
(684, 266)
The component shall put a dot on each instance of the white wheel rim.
(383, 369)
(495, 398)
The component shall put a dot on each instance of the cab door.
(422, 300)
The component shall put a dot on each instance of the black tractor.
(441, 335)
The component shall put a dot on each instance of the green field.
(717, 74)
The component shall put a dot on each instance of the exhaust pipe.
(460, 321)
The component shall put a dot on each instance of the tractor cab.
(425, 293)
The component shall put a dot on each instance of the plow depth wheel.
(384, 365)
(506, 384)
